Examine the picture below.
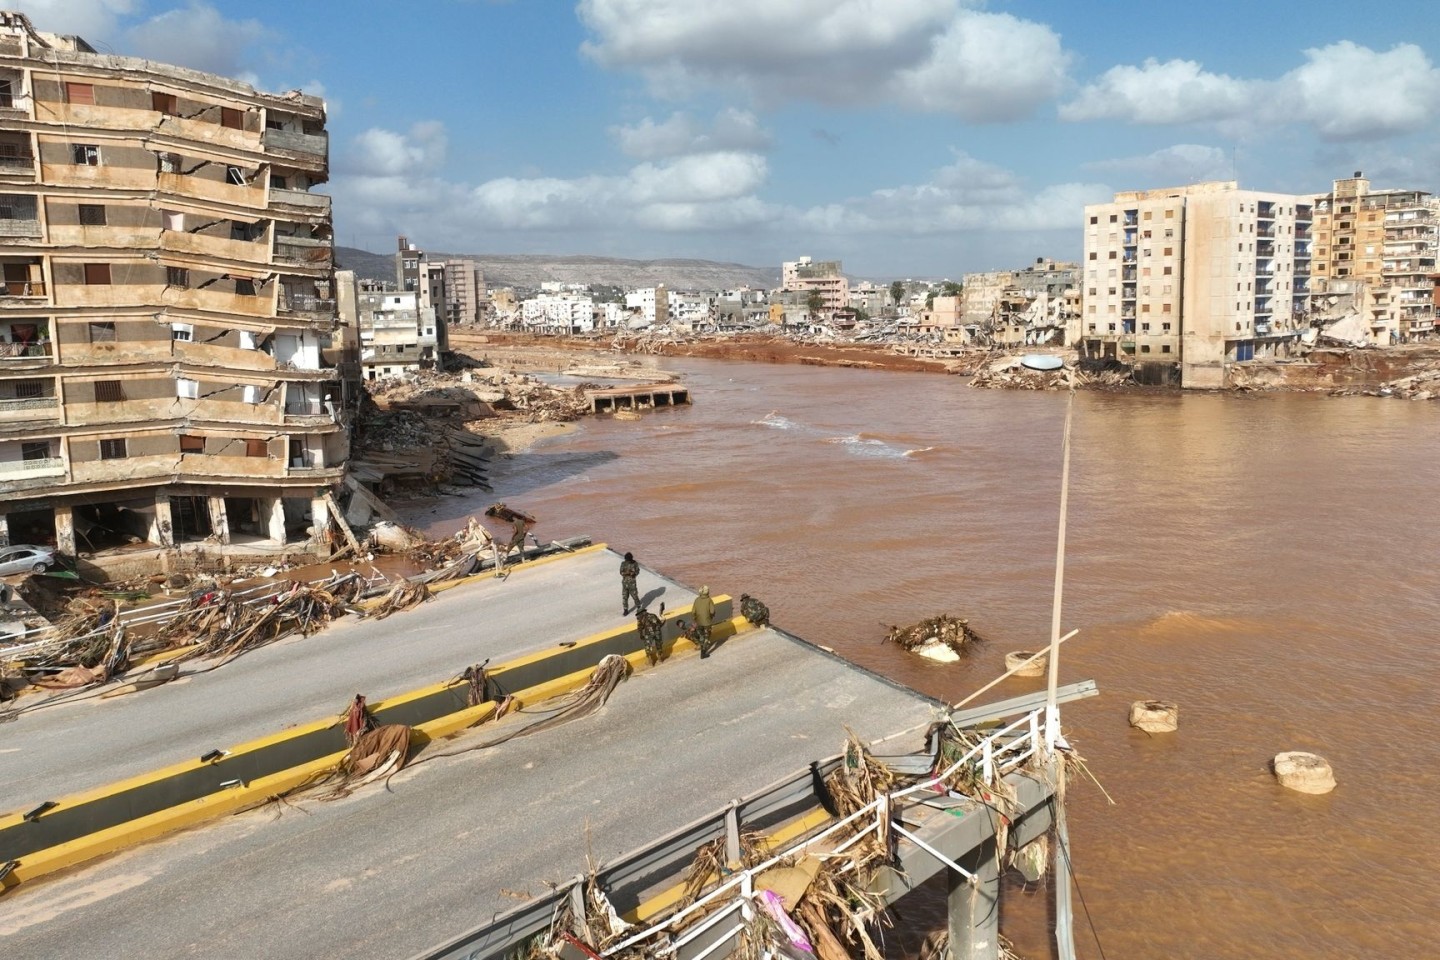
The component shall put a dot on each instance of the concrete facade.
(823, 276)
(1380, 247)
(166, 305)
(1197, 277)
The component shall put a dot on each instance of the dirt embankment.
(550, 351)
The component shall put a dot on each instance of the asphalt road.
(386, 873)
(67, 748)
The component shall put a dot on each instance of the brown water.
(1269, 563)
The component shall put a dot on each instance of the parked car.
(20, 558)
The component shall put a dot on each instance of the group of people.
(699, 630)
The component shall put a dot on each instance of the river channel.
(1268, 562)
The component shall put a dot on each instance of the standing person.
(704, 614)
(629, 570)
(517, 542)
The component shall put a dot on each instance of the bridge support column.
(975, 907)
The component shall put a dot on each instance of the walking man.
(629, 570)
(704, 614)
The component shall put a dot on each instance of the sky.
(907, 138)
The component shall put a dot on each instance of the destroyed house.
(166, 305)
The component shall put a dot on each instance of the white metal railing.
(998, 754)
(28, 403)
(21, 469)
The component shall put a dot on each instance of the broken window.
(92, 215)
(79, 93)
(97, 273)
(109, 391)
(85, 154)
(232, 118)
(244, 287)
(35, 450)
(170, 163)
(165, 103)
(102, 332)
(172, 220)
(113, 449)
(177, 277)
(189, 444)
(235, 176)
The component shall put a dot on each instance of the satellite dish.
(1041, 361)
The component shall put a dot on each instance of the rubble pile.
(1420, 386)
(1010, 374)
(944, 629)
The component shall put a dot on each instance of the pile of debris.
(1009, 373)
(943, 638)
(1420, 386)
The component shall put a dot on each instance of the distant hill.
(530, 270)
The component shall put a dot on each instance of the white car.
(20, 558)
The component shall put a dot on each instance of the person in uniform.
(648, 625)
(704, 614)
(753, 610)
(629, 570)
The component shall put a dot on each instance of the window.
(177, 277)
(273, 124)
(1168, 270)
(1093, 255)
(279, 182)
(14, 206)
(170, 163)
(244, 287)
(257, 448)
(25, 389)
(232, 118)
(189, 444)
(103, 332)
(97, 274)
(164, 103)
(1165, 348)
(1169, 251)
(1094, 220)
(1113, 218)
(35, 450)
(187, 389)
(1144, 348)
(7, 93)
(80, 93)
(109, 391)
(1145, 327)
(92, 215)
(182, 331)
(1112, 254)
(235, 176)
(1146, 216)
(85, 154)
(113, 449)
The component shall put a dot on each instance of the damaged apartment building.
(166, 304)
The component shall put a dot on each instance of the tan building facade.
(1379, 246)
(166, 303)
(1196, 277)
(824, 276)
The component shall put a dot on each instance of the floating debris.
(943, 638)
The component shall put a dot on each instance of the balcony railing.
(305, 303)
(22, 288)
(299, 198)
(303, 254)
(25, 469)
(19, 228)
(11, 164)
(8, 404)
(304, 408)
(24, 351)
(295, 142)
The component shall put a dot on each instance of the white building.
(397, 333)
(558, 314)
(649, 307)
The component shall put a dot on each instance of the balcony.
(292, 141)
(210, 245)
(314, 204)
(303, 251)
(305, 304)
(14, 351)
(19, 228)
(25, 289)
(215, 191)
(32, 469)
(1262, 328)
(17, 165)
(29, 408)
(1128, 273)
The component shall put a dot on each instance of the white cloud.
(1178, 164)
(93, 20)
(986, 67)
(1344, 91)
(680, 134)
(385, 153)
(935, 55)
(197, 36)
(1176, 91)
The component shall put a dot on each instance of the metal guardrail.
(625, 880)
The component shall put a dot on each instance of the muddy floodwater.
(1271, 563)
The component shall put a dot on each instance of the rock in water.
(1304, 772)
(1035, 668)
(1155, 716)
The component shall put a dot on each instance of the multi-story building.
(649, 307)
(166, 299)
(397, 331)
(1378, 246)
(563, 313)
(1054, 278)
(981, 295)
(1197, 277)
(466, 299)
(822, 276)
